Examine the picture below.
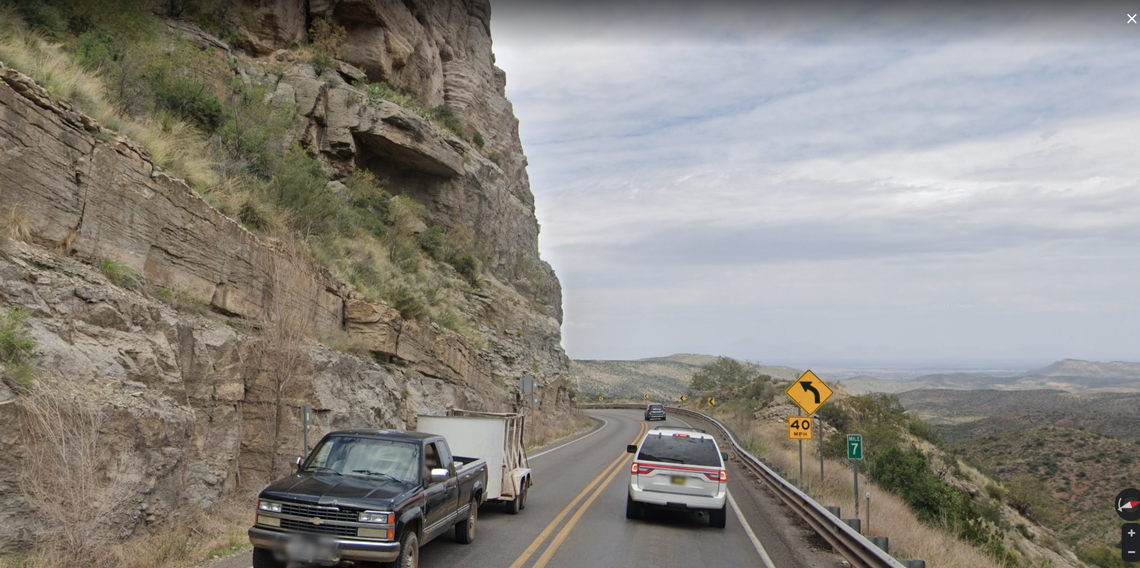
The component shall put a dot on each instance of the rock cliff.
(202, 396)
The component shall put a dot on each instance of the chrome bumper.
(350, 549)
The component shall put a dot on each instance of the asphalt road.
(575, 516)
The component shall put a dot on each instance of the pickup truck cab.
(368, 496)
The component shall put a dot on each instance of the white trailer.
(495, 437)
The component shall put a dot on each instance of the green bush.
(1103, 555)
(477, 139)
(468, 267)
(445, 116)
(326, 40)
(17, 347)
(301, 187)
(119, 274)
(723, 373)
(1033, 498)
(186, 97)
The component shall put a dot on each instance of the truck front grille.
(309, 527)
(314, 511)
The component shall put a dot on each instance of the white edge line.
(744, 523)
(751, 535)
(604, 423)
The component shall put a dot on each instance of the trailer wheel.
(513, 505)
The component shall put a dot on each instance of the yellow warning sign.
(799, 427)
(711, 401)
(682, 398)
(809, 392)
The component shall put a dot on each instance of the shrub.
(723, 373)
(1033, 498)
(119, 274)
(444, 115)
(496, 157)
(17, 347)
(186, 97)
(301, 186)
(477, 139)
(326, 40)
(468, 267)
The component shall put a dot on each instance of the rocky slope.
(200, 397)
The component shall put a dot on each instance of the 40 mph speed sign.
(799, 427)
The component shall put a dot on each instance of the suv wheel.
(263, 558)
(717, 517)
(632, 508)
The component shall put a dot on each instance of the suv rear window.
(683, 450)
(654, 407)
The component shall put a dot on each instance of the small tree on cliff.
(723, 373)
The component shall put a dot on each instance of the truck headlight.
(269, 506)
(374, 517)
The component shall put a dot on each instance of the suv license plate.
(678, 480)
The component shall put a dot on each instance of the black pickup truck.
(368, 496)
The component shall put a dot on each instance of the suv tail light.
(640, 468)
(721, 476)
(680, 435)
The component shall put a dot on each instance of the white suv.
(677, 468)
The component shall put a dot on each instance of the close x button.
(1130, 542)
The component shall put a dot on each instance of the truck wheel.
(409, 551)
(632, 508)
(465, 530)
(263, 558)
(717, 517)
(513, 505)
(522, 497)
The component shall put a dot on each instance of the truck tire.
(409, 551)
(263, 558)
(632, 508)
(717, 517)
(513, 505)
(465, 529)
(522, 497)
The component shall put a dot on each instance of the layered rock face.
(198, 404)
(440, 53)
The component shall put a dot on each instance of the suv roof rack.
(680, 428)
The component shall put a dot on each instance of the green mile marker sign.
(854, 447)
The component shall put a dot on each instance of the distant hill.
(1069, 375)
(962, 414)
(663, 378)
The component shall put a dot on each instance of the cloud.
(840, 164)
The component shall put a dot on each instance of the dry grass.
(545, 425)
(16, 224)
(185, 542)
(70, 476)
(910, 538)
(174, 145)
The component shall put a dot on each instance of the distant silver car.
(655, 411)
(678, 468)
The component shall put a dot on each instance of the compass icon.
(1128, 504)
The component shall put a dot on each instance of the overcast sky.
(835, 186)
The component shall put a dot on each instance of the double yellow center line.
(597, 485)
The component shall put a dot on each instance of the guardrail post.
(881, 542)
(915, 563)
(853, 523)
(833, 510)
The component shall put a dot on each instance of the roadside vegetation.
(919, 489)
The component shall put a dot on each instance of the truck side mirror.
(298, 462)
(723, 455)
(439, 474)
(631, 449)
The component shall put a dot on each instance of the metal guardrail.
(854, 547)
